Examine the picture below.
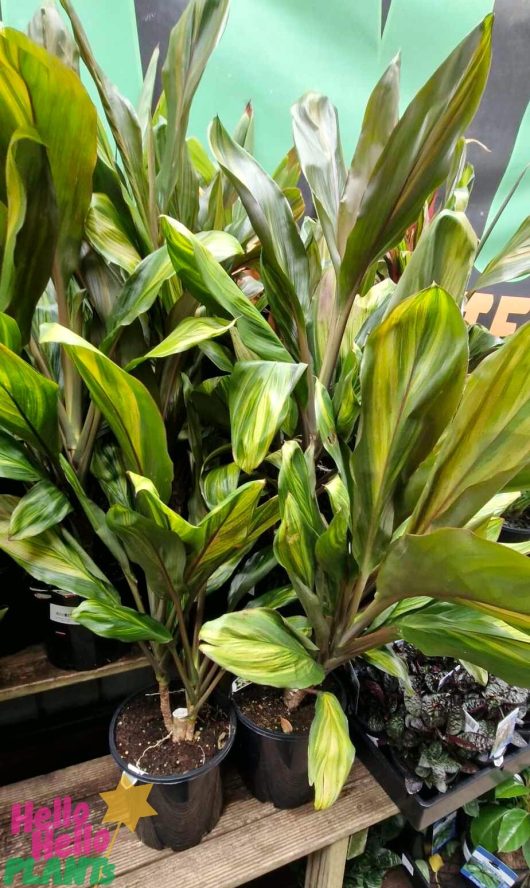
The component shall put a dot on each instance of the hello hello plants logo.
(64, 848)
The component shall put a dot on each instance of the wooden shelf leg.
(325, 868)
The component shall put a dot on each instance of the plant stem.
(331, 355)
(293, 697)
(165, 705)
(501, 210)
(87, 439)
(186, 684)
(365, 620)
(209, 690)
(308, 416)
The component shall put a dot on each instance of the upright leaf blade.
(412, 375)
(331, 752)
(417, 156)
(126, 405)
(258, 395)
(28, 403)
(259, 645)
(487, 443)
(512, 262)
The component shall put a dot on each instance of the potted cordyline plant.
(391, 446)
(82, 245)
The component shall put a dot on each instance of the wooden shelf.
(250, 839)
(30, 672)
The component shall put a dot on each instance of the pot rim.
(170, 778)
(266, 732)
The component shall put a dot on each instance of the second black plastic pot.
(511, 534)
(274, 765)
(69, 645)
(188, 805)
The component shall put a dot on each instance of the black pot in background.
(274, 765)
(69, 645)
(188, 805)
(514, 534)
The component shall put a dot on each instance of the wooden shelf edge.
(29, 672)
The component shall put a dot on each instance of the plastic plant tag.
(487, 871)
(470, 724)
(443, 831)
(239, 683)
(504, 736)
(60, 613)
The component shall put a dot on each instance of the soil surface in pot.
(518, 522)
(265, 708)
(142, 739)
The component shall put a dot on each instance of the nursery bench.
(250, 839)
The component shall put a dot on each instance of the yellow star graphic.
(127, 803)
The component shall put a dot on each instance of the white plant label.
(60, 613)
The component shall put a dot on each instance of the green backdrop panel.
(112, 31)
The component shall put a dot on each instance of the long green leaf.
(514, 830)
(259, 391)
(412, 375)
(62, 114)
(487, 442)
(270, 215)
(42, 507)
(444, 255)
(31, 227)
(260, 646)
(158, 551)
(187, 334)
(212, 286)
(139, 292)
(417, 156)
(126, 405)
(191, 43)
(331, 752)
(54, 558)
(106, 232)
(478, 573)
(317, 140)
(28, 403)
(380, 118)
(511, 263)
(15, 462)
(447, 630)
(112, 620)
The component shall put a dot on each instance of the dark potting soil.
(519, 522)
(265, 708)
(141, 726)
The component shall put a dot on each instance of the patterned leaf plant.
(392, 444)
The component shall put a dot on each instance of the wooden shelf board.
(250, 839)
(29, 672)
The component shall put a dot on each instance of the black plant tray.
(423, 810)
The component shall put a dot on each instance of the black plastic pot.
(69, 645)
(188, 805)
(274, 765)
(23, 623)
(424, 808)
(514, 534)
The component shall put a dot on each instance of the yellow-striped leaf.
(113, 620)
(449, 630)
(211, 285)
(512, 262)
(412, 375)
(126, 405)
(259, 645)
(331, 752)
(479, 574)
(139, 292)
(417, 156)
(15, 462)
(258, 396)
(42, 507)
(486, 444)
(444, 255)
(58, 106)
(108, 235)
(54, 558)
(187, 334)
(28, 403)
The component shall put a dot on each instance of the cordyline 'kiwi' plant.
(393, 451)
(73, 422)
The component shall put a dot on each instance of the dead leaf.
(287, 727)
